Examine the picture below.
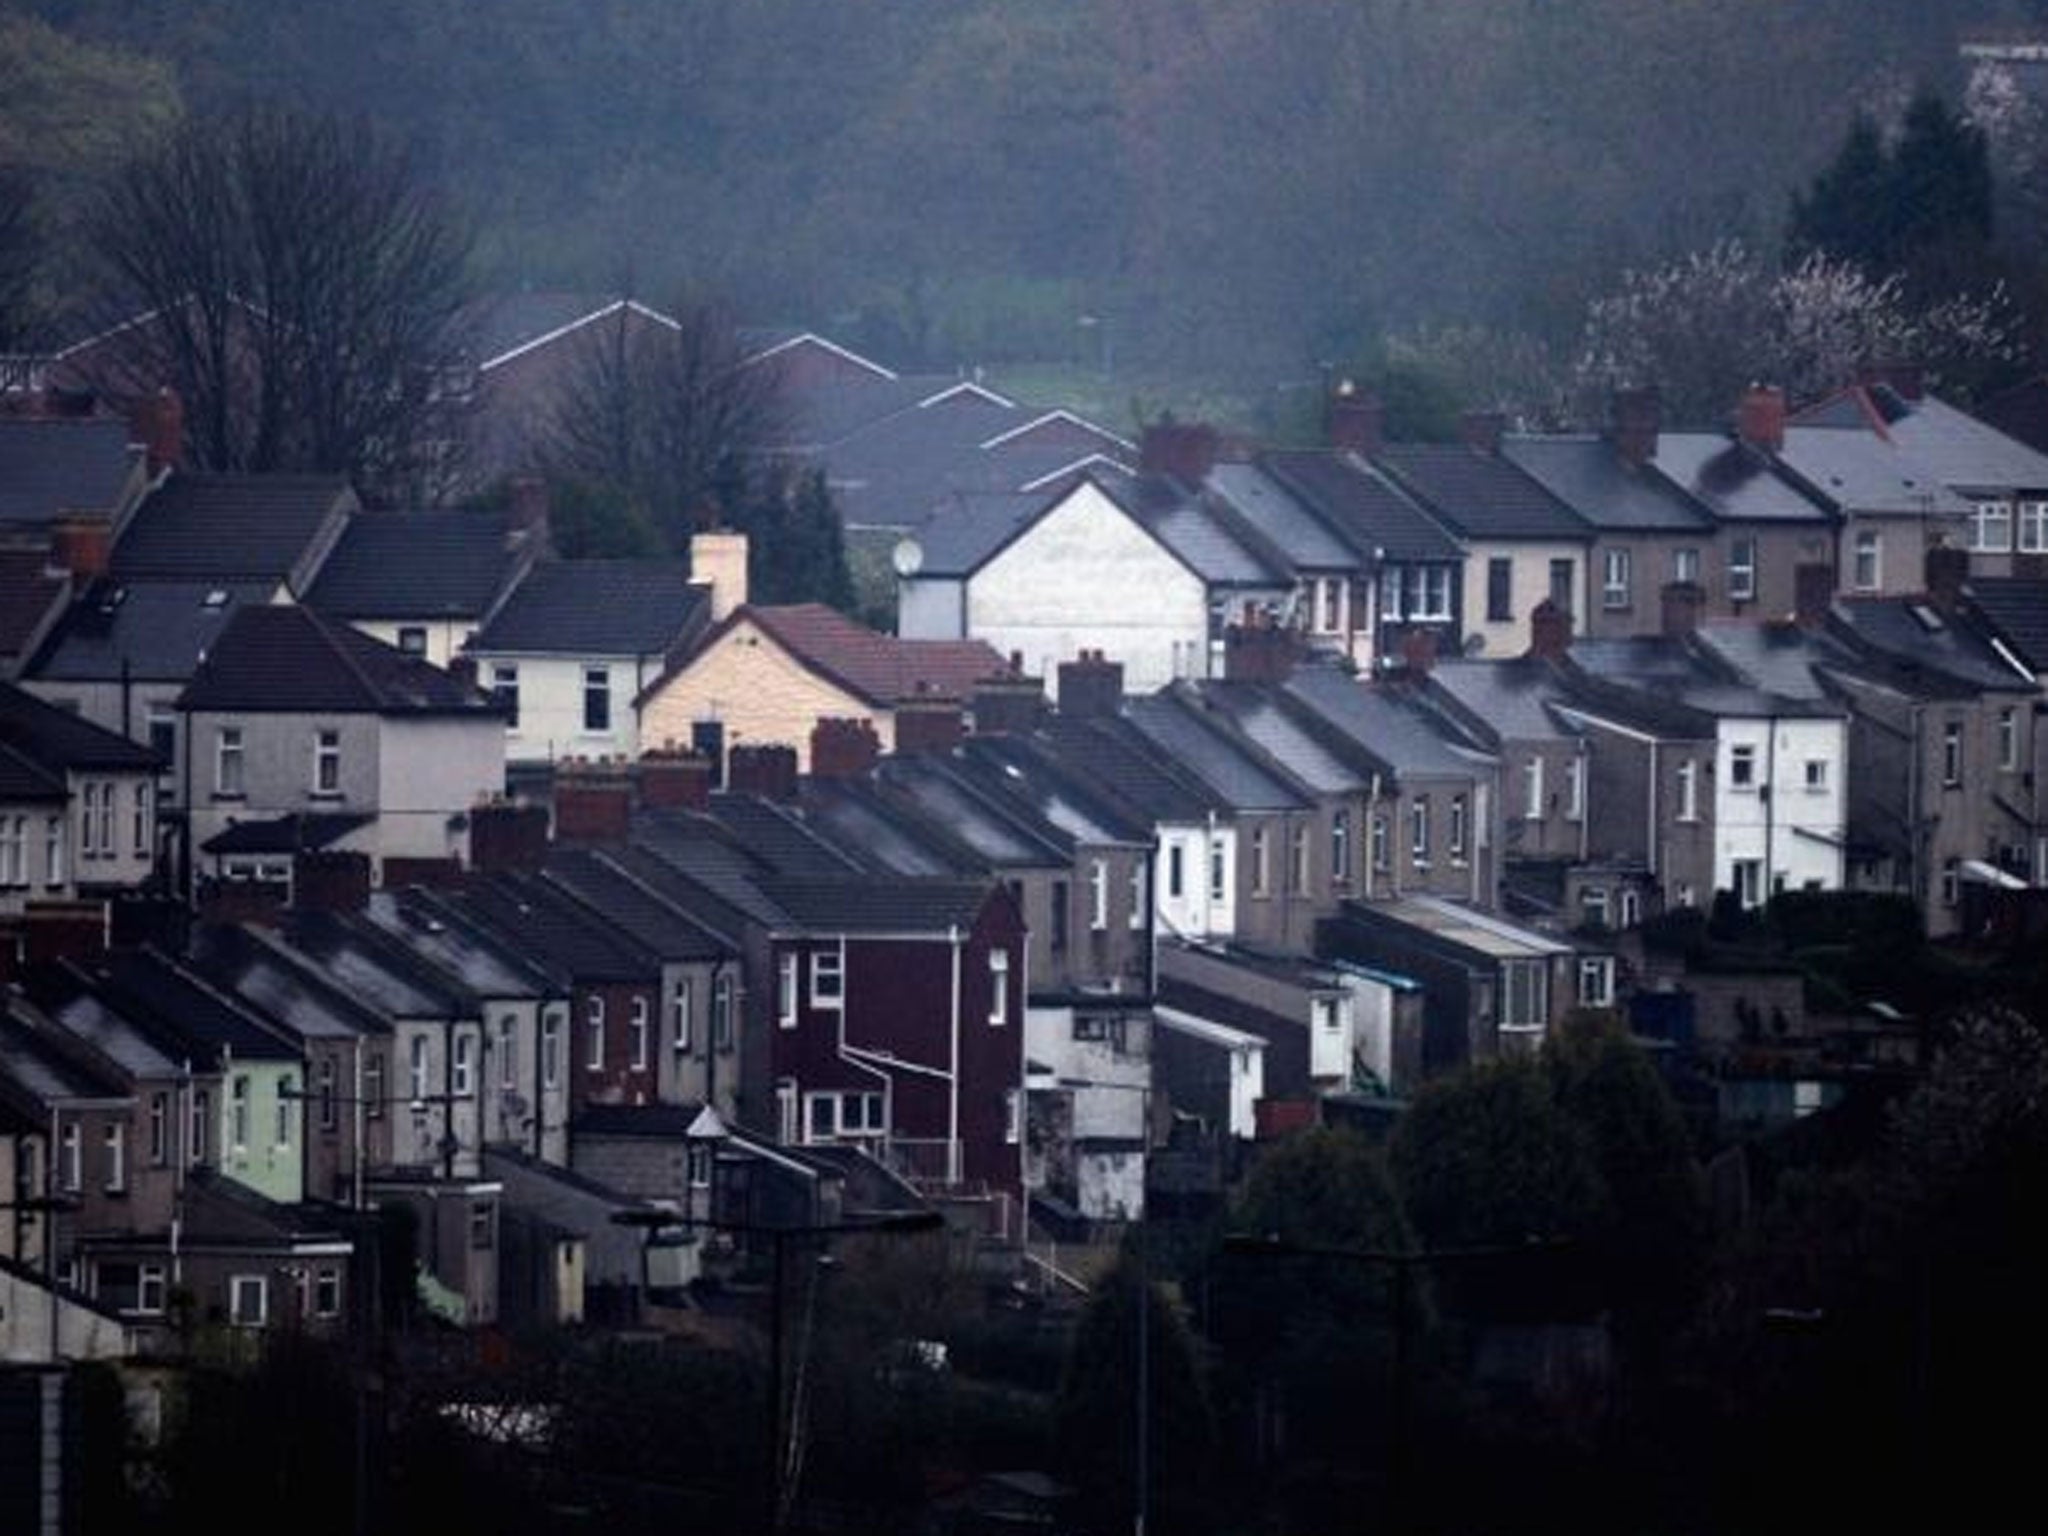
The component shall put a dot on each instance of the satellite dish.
(907, 557)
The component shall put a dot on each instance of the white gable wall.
(1085, 577)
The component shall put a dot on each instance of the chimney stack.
(1760, 418)
(1635, 417)
(1482, 430)
(1353, 420)
(505, 837)
(1011, 703)
(843, 748)
(927, 723)
(84, 546)
(157, 423)
(1906, 380)
(675, 780)
(1550, 631)
(1186, 451)
(593, 803)
(1418, 651)
(1259, 651)
(526, 521)
(1947, 569)
(1813, 593)
(718, 560)
(1091, 687)
(1681, 604)
(763, 768)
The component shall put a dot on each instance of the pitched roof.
(227, 528)
(1946, 446)
(53, 465)
(40, 744)
(1587, 475)
(1362, 508)
(507, 323)
(554, 926)
(1481, 495)
(1174, 726)
(1258, 498)
(298, 832)
(290, 659)
(29, 589)
(1384, 720)
(2017, 607)
(900, 905)
(1911, 632)
(596, 608)
(878, 668)
(1202, 540)
(148, 632)
(415, 565)
(1735, 481)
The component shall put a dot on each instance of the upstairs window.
(1991, 527)
(2008, 740)
(1418, 832)
(828, 978)
(1685, 566)
(1866, 562)
(593, 1033)
(1742, 766)
(1457, 827)
(1741, 570)
(721, 1013)
(999, 986)
(1340, 847)
(505, 691)
(597, 698)
(1952, 754)
(1688, 791)
(327, 762)
(1617, 569)
(228, 777)
(1098, 894)
(412, 639)
(1532, 789)
(2033, 527)
(1500, 588)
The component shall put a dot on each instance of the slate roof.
(298, 832)
(958, 536)
(362, 966)
(1587, 475)
(415, 565)
(1129, 766)
(1236, 776)
(778, 836)
(289, 659)
(2017, 607)
(1908, 630)
(1260, 500)
(226, 528)
(1480, 495)
(1734, 481)
(901, 905)
(1509, 699)
(1666, 672)
(1197, 536)
(596, 608)
(531, 913)
(1953, 449)
(171, 1001)
(664, 927)
(1385, 722)
(49, 1077)
(28, 591)
(40, 744)
(1072, 800)
(1003, 837)
(477, 964)
(1363, 509)
(150, 632)
(875, 667)
(53, 465)
(1256, 711)
(243, 961)
(883, 834)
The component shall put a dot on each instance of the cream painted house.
(768, 674)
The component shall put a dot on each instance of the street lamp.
(774, 1495)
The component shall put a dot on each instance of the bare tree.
(301, 284)
(666, 412)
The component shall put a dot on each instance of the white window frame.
(199, 1131)
(1816, 775)
(115, 1145)
(1951, 881)
(71, 1149)
(1139, 895)
(1219, 869)
(1866, 561)
(1741, 570)
(152, 1289)
(1689, 790)
(1575, 789)
(1631, 912)
(1593, 904)
(1991, 528)
(684, 1024)
(1617, 578)
(159, 1129)
(238, 1112)
(593, 1033)
(828, 978)
(1098, 894)
(1418, 832)
(999, 987)
(1262, 870)
(508, 1052)
(1532, 789)
(1748, 878)
(462, 1076)
(505, 691)
(230, 763)
(1176, 871)
(259, 1287)
(1298, 858)
(1742, 766)
(1533, 1012)
(1685, 566)
(786, 989)
(1458, 829)
(2031, 527)
(53, 852)
(1951, 754)
(327, 1291)
(722, 1005)
(1340, 847)
(327, 763)
(636, 1033)
(597, 700)
(419, 1070)
(551, 1050)
(1596, 981)
(1378, 841)
(139, 813)
(2008, 740)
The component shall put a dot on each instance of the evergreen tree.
(1847, 212)
(796, 548)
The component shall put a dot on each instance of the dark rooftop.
(596, 608)
(1480, 495)
(289, 658)
(148, 632)
(54, 465)
(1364, 510)
(225, 528)
(415, 565)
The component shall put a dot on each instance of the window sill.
(229, 796)
(327, 796)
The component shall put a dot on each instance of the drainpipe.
(1651, 840)
(1372, 815)
(1770, 806)
(953, 938)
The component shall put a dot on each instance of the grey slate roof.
(596, 608)
(1386, 722)
(651, 919)
(40, 744)
(1197, 747)
(1260, 500)
(295, 833)
(244, 962)
(289, 659)
(50, 466)
(895, 906)
(345, 956)
(1587, 475)
(1480, 495)
(1510, 699)
(1110, 752)
(225, 528)
(2017, 607)
(884, 834)
(1940, 442)
(174, 1004)
(1737, 483)
(958, 536)
(1255, 709)
(1909, 631)
(415, 565)
(569, 937)
(151, 631)
(478, 965)
(1195, 534)
(1361, 507)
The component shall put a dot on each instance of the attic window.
(217, 598)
